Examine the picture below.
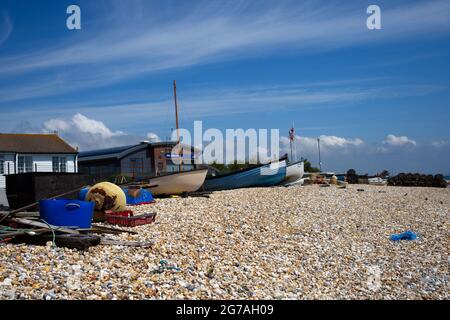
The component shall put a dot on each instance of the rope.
(164, 266)
(53, 233)
(6, 229)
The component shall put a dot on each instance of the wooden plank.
(116, 230)
(73, 241)
(104, 231)
(43, 225)
(24, 214)
(23, 233)
(105, 241)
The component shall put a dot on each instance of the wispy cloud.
(441, 144)
(6, 28)
(225, 101)
(212, 31)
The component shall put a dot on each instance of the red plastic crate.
(128, 219)
(140, 204)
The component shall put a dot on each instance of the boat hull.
(262, 176)
(377, 182)
(294, 172)
(177, 183)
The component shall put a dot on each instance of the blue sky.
(378, 98)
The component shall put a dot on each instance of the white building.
(21, 153)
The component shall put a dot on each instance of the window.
(63, 164)
(136, 165)
(2, 165)
(25, 164)
(55, 164)
(59, 164)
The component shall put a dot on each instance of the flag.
(292, 134)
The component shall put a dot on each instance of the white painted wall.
(8, 163)
(9, 160)
(41, 162)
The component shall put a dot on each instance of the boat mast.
(292, 141)
(176, 121)
(295, 144)
(320, 160)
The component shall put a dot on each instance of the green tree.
(309, 167)
(225, 168)
(219, 166)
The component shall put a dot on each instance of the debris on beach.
(68, 223)
(407, 235)
(418, 180)
(258, 243)
(128, 219)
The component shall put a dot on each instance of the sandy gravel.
(275, 243)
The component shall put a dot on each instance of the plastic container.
(137, 197)
(128, 219)
(83, 193)
(67, 213)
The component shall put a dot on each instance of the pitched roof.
(102, 152)
(120, 152)
(34, 143)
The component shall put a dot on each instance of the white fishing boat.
(377, 181)
(264, 175)
(176, 183)
(294, 172)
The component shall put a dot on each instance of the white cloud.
(327, 143)
(87, 133)
(335, 151)
(333, 141)
(57, 125)
(153, 137)
(398, 141)
(81, 124)
(338, 153)
(440, 144)
(86, 125)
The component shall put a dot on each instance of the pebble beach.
(300, 242)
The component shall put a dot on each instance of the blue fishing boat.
(265, 175)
